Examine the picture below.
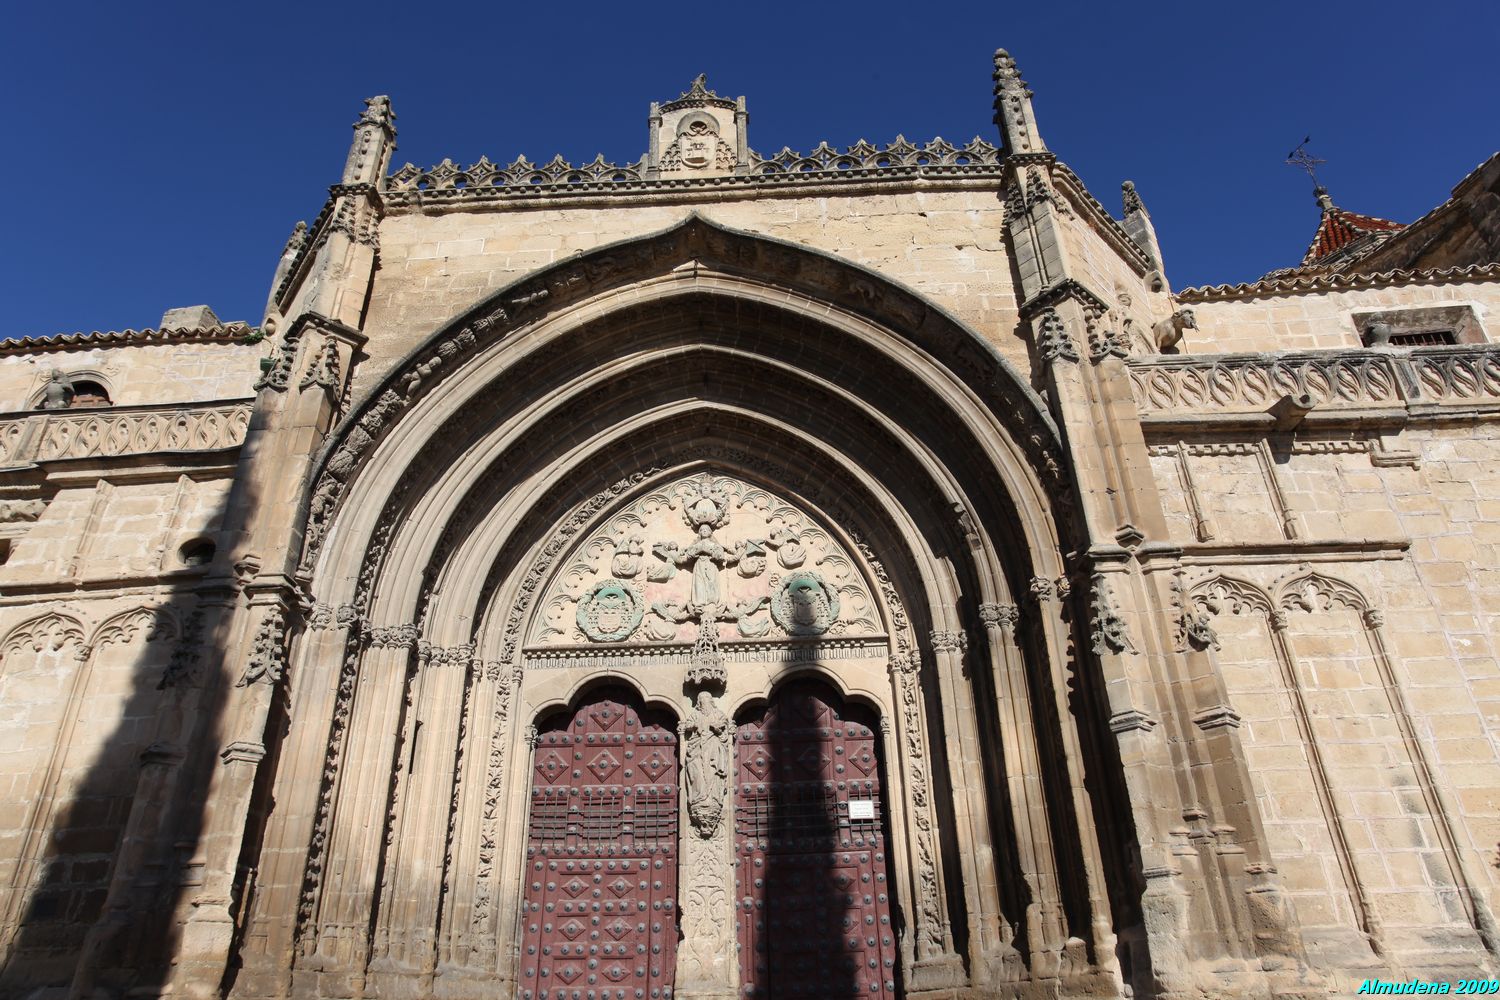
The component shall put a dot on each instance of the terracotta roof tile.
(1340, 229)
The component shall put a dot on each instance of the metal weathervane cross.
(1304, 160)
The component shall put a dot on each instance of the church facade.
(851, 573)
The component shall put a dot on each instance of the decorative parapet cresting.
(485, 181)
(1357, 378)
(106, 433)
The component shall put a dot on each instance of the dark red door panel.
(599, 912)
(814, 908)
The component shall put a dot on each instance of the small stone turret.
(1013, 112)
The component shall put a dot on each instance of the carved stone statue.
(706, 738)
(59, 391)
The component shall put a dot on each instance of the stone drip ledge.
(1331, 550)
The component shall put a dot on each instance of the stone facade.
(854, 570)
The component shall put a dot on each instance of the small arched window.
(197, 552)
(87, 392)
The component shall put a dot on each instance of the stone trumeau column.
(314, 317)
(1199, 831)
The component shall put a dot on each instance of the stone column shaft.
(1045, 931)
(405, 932)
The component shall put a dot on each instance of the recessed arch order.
(450, 499)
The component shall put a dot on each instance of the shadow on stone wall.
(116, 865)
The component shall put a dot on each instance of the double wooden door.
(813, 904)
(599, 910)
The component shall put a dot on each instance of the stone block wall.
(1324, 319)
(1353, 801)
(948, 246)
(137, 374)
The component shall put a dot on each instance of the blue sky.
(159, 154)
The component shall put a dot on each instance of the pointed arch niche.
(511, 517)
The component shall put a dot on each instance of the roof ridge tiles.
(147, 335)
(1299, 280)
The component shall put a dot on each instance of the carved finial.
(378, 112)
(1138, 224)
(374, 140)
(1005, 68)
(1013, 111)
(297, 240)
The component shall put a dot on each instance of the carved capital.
(946, 642)
(999, 615)
(452, 656)
(394, 635)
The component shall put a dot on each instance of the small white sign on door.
(861, 808)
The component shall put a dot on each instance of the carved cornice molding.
(680, 654)
(1068, 289)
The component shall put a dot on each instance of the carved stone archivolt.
(707, 559)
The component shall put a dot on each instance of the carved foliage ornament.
(1107, 631)
(1053, 340)
(268, 653)
(637, 578)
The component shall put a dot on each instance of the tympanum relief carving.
(703, 560)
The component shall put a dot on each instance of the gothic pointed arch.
(701, 460)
